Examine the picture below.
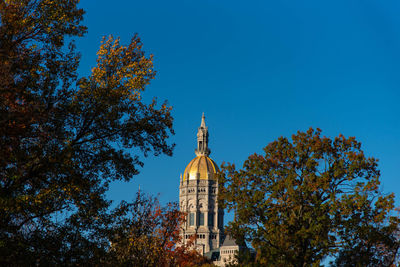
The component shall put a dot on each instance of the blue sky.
(260, 70)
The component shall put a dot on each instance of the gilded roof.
(201, 167)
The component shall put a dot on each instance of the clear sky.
(260, 70)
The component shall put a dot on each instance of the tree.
(64, 139)
(145, 234)
(369, 243)
(244, 258)
(313, 197)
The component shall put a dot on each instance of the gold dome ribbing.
(201, 167)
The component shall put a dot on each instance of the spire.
(202, 139)
(203, 121)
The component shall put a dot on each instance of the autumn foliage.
(309, 198)
(64, 138)
(146, 234)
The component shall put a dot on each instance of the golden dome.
(201, 167)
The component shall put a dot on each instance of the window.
(201, 218)
(220, 220)
(191, 219)
(211, 219)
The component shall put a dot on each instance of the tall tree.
(63, 140)
(309, 198)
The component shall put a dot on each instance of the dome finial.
(203, 121)
(202, 139)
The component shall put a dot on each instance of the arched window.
(191, 219)
(201, 218)
(211, 219)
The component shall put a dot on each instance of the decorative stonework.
(198, 197)
(198, 194)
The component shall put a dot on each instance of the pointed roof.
(203, 121)
(202, 139)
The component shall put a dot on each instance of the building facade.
(198, 198)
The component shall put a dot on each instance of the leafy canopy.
(309, 198)
(64, 139)
(146, 234)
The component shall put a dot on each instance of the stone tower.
(198, 192)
